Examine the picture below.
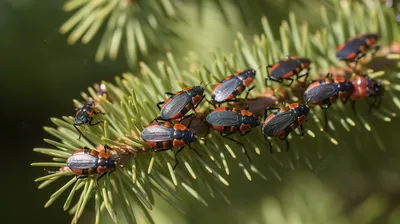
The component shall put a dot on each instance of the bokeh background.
(41, 74)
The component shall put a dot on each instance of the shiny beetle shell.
(86, 162)
(166, 135)
(230, 120)
(289, 67)
(182, 102)
(285, 120)
(350, 49)
(232, 86)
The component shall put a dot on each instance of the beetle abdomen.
(82, 161)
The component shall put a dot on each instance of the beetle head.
(375, 88)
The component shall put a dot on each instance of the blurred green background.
(41, 75)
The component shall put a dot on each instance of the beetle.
(179, 103)
(364, 86)
(357, 47)
(84, 116)
(86, 162)
(287, 68)
(232, 86)
(285, 120)
(326, 91)
(229, 120)
(165, 135)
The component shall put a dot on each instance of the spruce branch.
(130, 105)
(130, 24)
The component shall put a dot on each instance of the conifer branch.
(130, 104)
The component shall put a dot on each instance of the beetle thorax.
(82, 118)
(250, 120)
(186, 136)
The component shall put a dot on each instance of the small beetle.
(228, 120)
(326, 91)
(179, 103)
(86, 162)
(357, 47)
(364, 86)
(84, 116)
(233, 85)
(288, 67)
(282, 122)
(163, 136)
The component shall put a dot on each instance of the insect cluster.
(167, 131)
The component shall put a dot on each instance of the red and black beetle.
(287, 68)
(233, 85)
(326, 91)
(86, 162)
(179, 103)
(163, 136)
(357, 47)
(282, 122)
(84, 116)
(228, 120)
(364, 86)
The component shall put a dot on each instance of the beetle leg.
(269, 143)
(379, 101)
(176, 156)
(326, 119)
(80, 133)
(325, 107)
(303, 75)
(348, 64)
(290, 82)
(98, 179)
(269, 77)
(359, 56)
(107, 147)
(375, 49)
(86, 147)
(211, 102)
(194, 108)
(301, 130)
(287, 145)
(169, 93)
(272, 79)
(159, 103)
(91, 124)
(98, 112)
(158, 119)
(268, 109)
(372, 104)
(243, 147)
(194, 150)
(192, 116)
(248, 91)
(353, 107)
(111, 171)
